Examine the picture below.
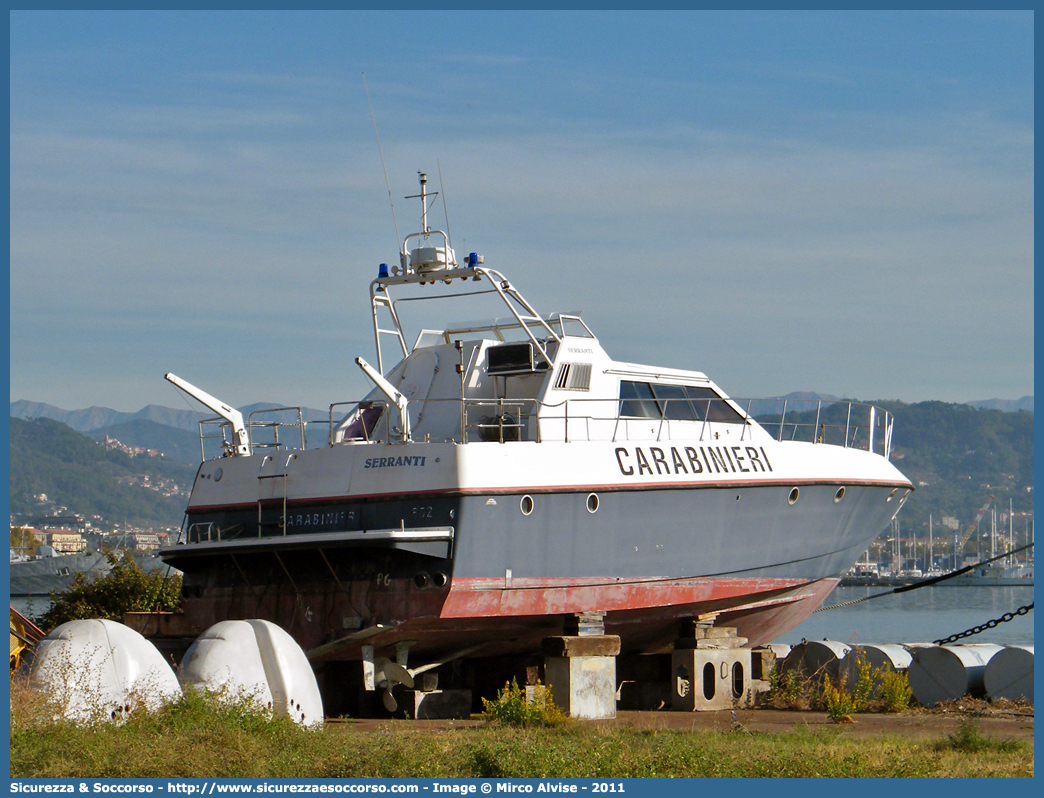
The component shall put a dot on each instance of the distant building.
(59, 522)
(145, 541)
(133, 451)
(65, 542)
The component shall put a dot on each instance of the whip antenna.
(442, 191)
(386, 183)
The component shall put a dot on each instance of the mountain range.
(94, 419)
(97, 418)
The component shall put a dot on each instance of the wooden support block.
(580, 646)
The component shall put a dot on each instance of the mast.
(931, 553)
(424, 202)
(993, 533)
(1011, 532)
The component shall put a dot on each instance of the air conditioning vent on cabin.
(508, 359)
(574, 377)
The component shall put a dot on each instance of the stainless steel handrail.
(251, 425)
(833, 422)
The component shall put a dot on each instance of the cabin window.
(675, 403)
(572, 326)
(637, 400)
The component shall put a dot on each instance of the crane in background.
(958, 546)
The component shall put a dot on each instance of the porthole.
(592, 502)
(793, 497)
(892, 494)
(526, 505)
(217, 475)
(421, 580)
(439, 579)
(839, 494)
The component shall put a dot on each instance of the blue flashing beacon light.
(472, 259)
(382, 271)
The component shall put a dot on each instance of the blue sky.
(835, 202)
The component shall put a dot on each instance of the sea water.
(919, 616)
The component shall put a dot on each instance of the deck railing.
(836, 423)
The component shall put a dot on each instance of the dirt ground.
(1001, 720)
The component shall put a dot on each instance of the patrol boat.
(503, 477)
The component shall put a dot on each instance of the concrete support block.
(710, 678)
(583, 687)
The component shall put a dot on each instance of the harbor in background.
(918, 616)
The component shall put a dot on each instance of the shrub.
(866, 684)
(125, 588)
(512, 709)
(876, 690)
(838, 702)
(896, 694)
(787, 690)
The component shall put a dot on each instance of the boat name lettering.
(391, 462)
(335, 519)
(574, 351)
(655, 460)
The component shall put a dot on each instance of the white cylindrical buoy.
(257, 660)
(96, 669)
(876, 655)
(815, 658)
(1009, 673)
(945, 673)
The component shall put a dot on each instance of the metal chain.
(1008, 616)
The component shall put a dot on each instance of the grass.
(199, 737)
(969, 739)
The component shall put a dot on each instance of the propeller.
(387, 675)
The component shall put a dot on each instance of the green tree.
(125, 588)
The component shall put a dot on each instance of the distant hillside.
(73, 471)
(797, 402)
(178, 444)
(1005, 405)
(964, 455)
